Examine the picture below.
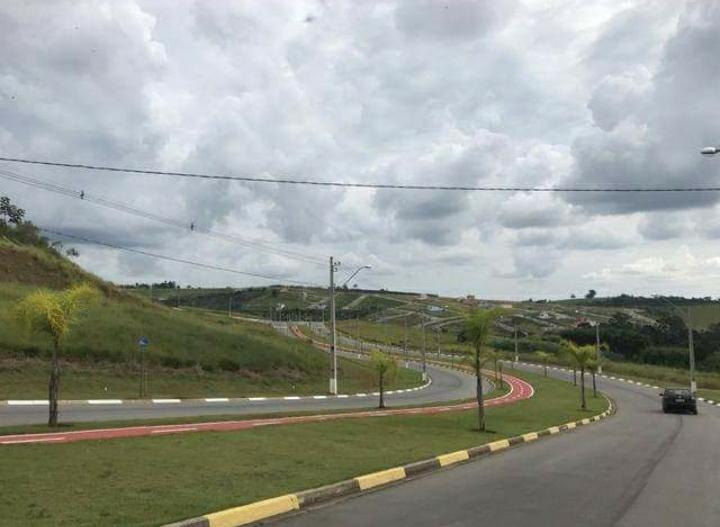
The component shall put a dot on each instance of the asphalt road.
(640, 468)
(446, 386)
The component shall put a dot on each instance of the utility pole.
(437, 340)
(517, 356)
(230, 306)
(424, 361)
(405, 348)
(333, 378)
(691, 346)
(597, 347)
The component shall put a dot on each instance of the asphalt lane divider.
(215, 400)
(266, 509)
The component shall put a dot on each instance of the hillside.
(190, 353)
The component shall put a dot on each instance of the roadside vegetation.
(190, 353)
(152, 481)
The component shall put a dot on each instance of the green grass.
(190, 355)
(27, 379)
(151, 481)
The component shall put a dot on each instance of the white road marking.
(165, 401)
(291, 398)
(105, 401)
(217, 399)
(257, 399)
(343, 396)
(319, 396)
(27, 403)
(39, 440)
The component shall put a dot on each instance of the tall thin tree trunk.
(582, 387)
(479, 391)
(594, 387)
(574, 376)
(54, 385)
(382, 392)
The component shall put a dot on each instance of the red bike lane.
(519, 390)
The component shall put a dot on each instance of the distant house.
(422, 296)
(506, 306)
(544, 315)
(435, 309)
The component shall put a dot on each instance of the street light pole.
(333, 349)
(597, 346)
(424, 361)
(405, 348)
(691, 345)
(517, 356)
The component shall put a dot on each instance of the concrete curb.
(262, 510)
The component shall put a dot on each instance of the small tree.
(581, 356)
(54, 313)
(385, 368)
(478, 330)
(543, 357)
(593, 367)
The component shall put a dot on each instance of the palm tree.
(543, 357)
(478, 329)
(53, 313)
(580, 356)
(593, 367)
(385, 368)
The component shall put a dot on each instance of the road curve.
(519, 389)
(641, 468)
(447, 385)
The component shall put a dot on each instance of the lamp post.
(334, 265)
(691, 346)
(597, 346)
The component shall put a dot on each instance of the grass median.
(151, 481)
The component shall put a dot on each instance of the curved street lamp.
(333, 267)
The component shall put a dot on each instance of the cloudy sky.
(530, 93)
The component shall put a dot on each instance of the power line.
(173, 259)
(129, 209)
(285, 181)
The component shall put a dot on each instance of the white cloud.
(522, 94)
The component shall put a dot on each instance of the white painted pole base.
(333, 386)
(424, 376)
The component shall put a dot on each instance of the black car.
(674, 399)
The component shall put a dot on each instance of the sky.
(523, 93)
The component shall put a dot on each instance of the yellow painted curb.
(369, 481)
(570, 426)
(585, 421)
(253, 512)
(498, 445)
(532, 436)
(453, 457)
(553, 430)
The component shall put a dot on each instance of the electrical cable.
(286, 181)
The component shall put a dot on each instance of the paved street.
(640, 468)
(446, 385)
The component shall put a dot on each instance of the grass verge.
(150, 481)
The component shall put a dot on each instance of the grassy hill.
(190, 353)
